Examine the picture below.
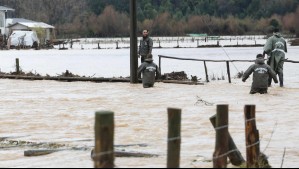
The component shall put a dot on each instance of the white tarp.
(23, 38)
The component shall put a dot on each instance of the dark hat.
(276, 30)
(149, 58)
(260, 56)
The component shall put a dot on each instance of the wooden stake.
(206, 71)
(160, 64)
(174, 138)
(221, 147)
(228, 72)
(235, 157)
(252, 137)
(17, 66)
(104, 140)
(117, 45)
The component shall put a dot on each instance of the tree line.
(110, 18)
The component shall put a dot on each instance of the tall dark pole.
(133, 42)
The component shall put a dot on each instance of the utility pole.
(133, 42)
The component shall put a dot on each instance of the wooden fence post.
(206, 71)
(117, 45)
(174, 138)
(228, 72)
(235, 156)
(160, 65)
(159, 43)
(104, 140)
(252, 137)
(221, 147)
(17, 66)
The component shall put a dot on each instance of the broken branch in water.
(199, 100)
(284, 154)
(14, 143)
(12, 137)
(273, 131)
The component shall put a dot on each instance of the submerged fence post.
(235, 156)
(252, 137)
(206, 70)
(221, 146)
(160, 62)
(174, 138)
(228, 72)
(17, 66)
(104, 140)
(159, 43)
(117, 45)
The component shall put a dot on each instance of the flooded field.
(63, 113)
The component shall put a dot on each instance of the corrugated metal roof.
(15, 20)
(3, 8)
(29, 23)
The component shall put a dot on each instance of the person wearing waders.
(275, 48)
(150, 72)
(146, 45)
(261, 74)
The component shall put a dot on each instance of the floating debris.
(175, 76)
(67, 73)
(239, 75)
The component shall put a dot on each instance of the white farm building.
(9, 25)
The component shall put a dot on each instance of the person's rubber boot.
(280, 76)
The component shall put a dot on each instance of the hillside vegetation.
(103, 18)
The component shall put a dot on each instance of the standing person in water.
(146, 45)
(261, 74)
(150, 72)
(275, 48)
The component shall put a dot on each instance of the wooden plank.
(34, 153)
(129, 154)
(208, 60)
(68, 79)
(182, 82)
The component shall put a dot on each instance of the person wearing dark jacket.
(146, 45)
(150, 72)
(276, 48)
(261, 74)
